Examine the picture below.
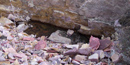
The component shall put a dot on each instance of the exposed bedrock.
(70, 14)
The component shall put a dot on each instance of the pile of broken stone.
(19, 48)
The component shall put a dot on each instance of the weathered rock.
(75, 62)
(80, 58)
(68, 14)
(71, 52)
(70, 32)
(72, 46)
(21, 27)
(94, 57)
(55, 37)
(86, 51)
(104, 43)
(84, 46)
(94, 43)
(115, 57)
(5, 21)
(100, 53)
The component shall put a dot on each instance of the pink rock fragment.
(41, 45)
(94, 43)
(21, 55)
(10, 50)
(28, 39)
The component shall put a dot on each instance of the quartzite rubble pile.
(19, 48)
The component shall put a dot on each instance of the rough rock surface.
(66, 13)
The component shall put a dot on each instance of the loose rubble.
(19, 48)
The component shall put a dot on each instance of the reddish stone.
(41, 45)
(94, 43)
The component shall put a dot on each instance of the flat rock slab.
(55, 37)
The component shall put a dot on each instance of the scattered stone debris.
(19, 48)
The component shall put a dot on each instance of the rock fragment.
(94, 43)
(72, 46)
(86, 51)
(70, 32)
(71, 52)
(104, 43)
(55, 37)
(40, 45)
(115, 57)
(94, 57)
(100, 53)
(21, 27)
(80, 58)
(5, 21)
(84, 46)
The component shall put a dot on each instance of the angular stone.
(115, 57)
(80, 57)
(94, 57)
(105, 43)
(94, 43)
(75, 62)
(70, 32)
(84, 46)
(21, 27)
(100, 53)
(71, 52)
(55, 37)
(10, 55)
(72, 46)
(4, 21)
(86, 51)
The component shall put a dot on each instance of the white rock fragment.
(9, 37)
(27, 18)
(115, 57)
(94, 57)
(6, 33)
(1, 53)
(70, 32)
(10, 55)
(80, 57)
(72, 46)
(11, 16)
(56, 57)
(21, 27)
(2, 58)
(34, 62)
(5, 21)
(117, 24)
(44, 63)
(30, 3)
(16, 62)
(100, 53)
(75, 62)
(84, 46)
(55, 37)
(2, 28)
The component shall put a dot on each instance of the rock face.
(72, 14)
